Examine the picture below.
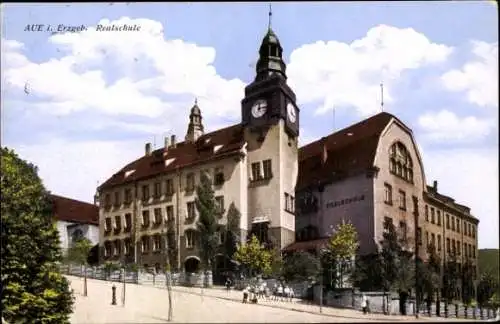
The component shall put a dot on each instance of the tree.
(467, 276)
(300, 266)
(79, 254)
(254, 256)
(341, 249)
(232, 231)
(451, 277)
(33, 289)
(207, 224)
(486, 288)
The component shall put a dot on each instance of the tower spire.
(195, 127)
(270, 16)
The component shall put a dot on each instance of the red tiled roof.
(184, 153)
(348, 150)
(75, 211)
(307, 245)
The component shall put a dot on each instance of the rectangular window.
(191, 213)
(156, 243)
(427, 239)
(433, 217)
(402, 200)
(145, 218)
(447, 221)
(474, 251)
(128, 222)
(190, 182)
(387, 222)
(452, 223)
(190, 239)
(170, 213)
(145, 193)
(118, 223)
(473, 231)
(459, 248)
(403, 229)
(453, 247)
(219, 176)
(107, 200)
(433, 240)
(256, 173)
(107, 224)
(157, 212)
(470, 229)
(426, 213)
(268, 170)
(126, 247)
(448, 247)
(466, 255)
(387, 193)
(117, 198)
(169, 190)
(439, 218)
(145, 244)
(419, 236)
(439, 242)
(457, 225)
(157, 190)
(219, 204)
(128, 196)
(117, 248)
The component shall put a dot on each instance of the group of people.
(279, 293)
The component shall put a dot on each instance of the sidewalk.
(296, 305)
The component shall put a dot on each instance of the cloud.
(445, 126)
(339, 74)
(470, 176)
(147, 62)
(477, 78)
(74, 168)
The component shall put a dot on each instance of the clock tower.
(270, 118)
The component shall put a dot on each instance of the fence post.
(474, 311)
(488, 312)
(456, 310)
(465, 311)
(481, 312)
(446, 309)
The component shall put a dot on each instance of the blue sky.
(94, 98)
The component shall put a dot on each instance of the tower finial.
(196, 100)
(382, 96)
(270, 15)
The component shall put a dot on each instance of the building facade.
(253, 165)
(75, 220)
(370, 172)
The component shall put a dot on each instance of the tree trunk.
(169, 290)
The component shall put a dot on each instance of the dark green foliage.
(467, 281)
(367, 274)
(207, 224)
(300, 266)
(33, 289)
(93, 258)
(451, 276)
(489, 262)
(232, 231)
(487, 288)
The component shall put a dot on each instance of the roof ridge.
(72, 199)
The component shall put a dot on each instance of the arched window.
(400, 162)
(76, 236)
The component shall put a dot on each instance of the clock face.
(292, 115)
(259, 108)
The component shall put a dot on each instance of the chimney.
(172, 141)
(148, 148)
(167, 143)
(324, 154)
(435, 185)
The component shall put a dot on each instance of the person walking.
(245, 294)
(364, 303)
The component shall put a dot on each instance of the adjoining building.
(252, 164)
(370, 172)
(75, 220)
